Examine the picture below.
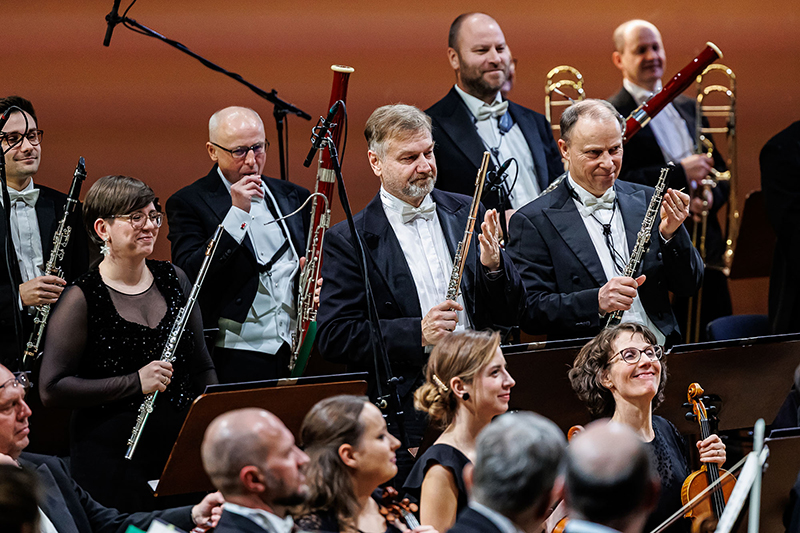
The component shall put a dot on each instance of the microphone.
(320, 136)
(502, 170)
(112, 19)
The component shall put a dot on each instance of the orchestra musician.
(621, 374)
(466, 386)
(514, 480)
(571, 245)
(409, 233)
(104, 342)
(670, 136)
(474, 117)
(251, 287)
(351, 454)
(35, 212)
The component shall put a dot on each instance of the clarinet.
(53, 267)
(460, 259)
(643, 237)
(168, 355)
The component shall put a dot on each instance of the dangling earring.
(105, 249)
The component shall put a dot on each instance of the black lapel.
(46, 216)
(527, 124)
(453, 218)
(383, 247)
(633, 206)
(53, 503)
(287, 202)
(217, 197)
(568, 223)
(457, 123)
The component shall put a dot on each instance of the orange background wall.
(141, 108)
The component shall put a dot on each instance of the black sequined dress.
(92, 360)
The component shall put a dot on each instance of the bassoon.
(306, 327)
(53, 267)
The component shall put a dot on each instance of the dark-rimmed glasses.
(240, 152)
(138, 220)
(633, 355)
(11, 139)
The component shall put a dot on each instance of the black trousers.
(237, 366)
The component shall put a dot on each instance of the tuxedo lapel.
(527, 126)
(633, 206)
(457, 123)
(286, 200)
(218, 199)
(383, 247)
(568, 223)
(453, 219)
(46, 216)
(53, 503)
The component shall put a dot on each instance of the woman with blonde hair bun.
(466, 386)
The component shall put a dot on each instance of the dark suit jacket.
(194, 213)
(642, 160)
(343, 329)
(234, 523)
(562, 274)
(49, 210)
(471, 521)
(72, 510)
(780, 181)
(459, 148)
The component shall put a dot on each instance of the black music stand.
(288, 399)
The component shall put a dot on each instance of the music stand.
(288, 399)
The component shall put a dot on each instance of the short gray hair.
(591, 108)
(391, 121)
(517, 461)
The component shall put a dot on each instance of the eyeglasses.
(633, 355)
(11, 139)
(240, 152)
(20, 379)
(138, 220)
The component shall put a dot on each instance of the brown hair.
(587, 371)
(459, 355)
(115, 195)
(331, 423)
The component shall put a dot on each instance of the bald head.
(237, 439)
(14, 413)
(232, 128)
(639, 53)
(610, 478)
(229, 119)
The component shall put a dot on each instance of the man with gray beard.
(409, 233)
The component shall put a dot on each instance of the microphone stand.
(388, 403)
(281, 108)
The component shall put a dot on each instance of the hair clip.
(441, 386)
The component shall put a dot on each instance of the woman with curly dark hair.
(351, 453)
(621, 374)
(466, 386)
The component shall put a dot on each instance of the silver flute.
(643, 237)
(168, 355)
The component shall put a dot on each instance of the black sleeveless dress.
(107, 393)
(448, 457)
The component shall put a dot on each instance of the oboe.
(460, 259)
(643, 237)
(305, 330)
(53, 267)
(168, 355)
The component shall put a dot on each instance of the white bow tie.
(606, 201)
(29, 196)
(495, 110)
(410, 213)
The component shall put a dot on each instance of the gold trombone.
(568, 78)
(725, 112)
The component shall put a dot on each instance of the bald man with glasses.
(251, 286)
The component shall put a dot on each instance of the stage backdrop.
(141, 107)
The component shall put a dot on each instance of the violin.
(709, 473)
(395, 509)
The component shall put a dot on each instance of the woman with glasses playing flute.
(620, 374)
(103, 345)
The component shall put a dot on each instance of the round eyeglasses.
(138, 219)
(20, 379)
(12, 139)
(633, 355)
(240, 152)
